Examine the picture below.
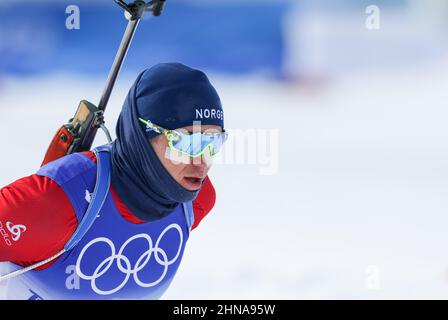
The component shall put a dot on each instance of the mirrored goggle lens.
(198, 143)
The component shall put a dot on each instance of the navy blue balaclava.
(172, 96)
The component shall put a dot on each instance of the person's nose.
(201, 162)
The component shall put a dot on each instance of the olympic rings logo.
(123, 263)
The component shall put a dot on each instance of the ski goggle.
(194, 144)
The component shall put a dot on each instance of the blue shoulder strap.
(99, 196)
(189, 215)
(100, 193)
(96, 203)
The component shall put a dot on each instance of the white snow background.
(362, 182)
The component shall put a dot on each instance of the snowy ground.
(357, 209)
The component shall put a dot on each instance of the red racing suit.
(37, 218)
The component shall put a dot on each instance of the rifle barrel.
(118, 62)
